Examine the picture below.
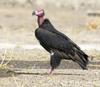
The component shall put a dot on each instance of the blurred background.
(78, 19)
(20, 50)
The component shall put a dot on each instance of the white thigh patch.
(52, 53)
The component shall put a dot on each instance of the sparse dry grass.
(4, 57)
(8, 55)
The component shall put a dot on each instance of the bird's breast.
(37, 34)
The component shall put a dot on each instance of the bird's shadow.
(39, 65)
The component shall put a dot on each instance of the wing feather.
(53, 40)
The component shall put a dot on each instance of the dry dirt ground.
(17, 26)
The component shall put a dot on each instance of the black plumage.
(59, 45)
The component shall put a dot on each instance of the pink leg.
(51, 71)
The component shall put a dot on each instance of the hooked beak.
(33, 13)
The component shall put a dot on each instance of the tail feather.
(84, 57)
(80, 52)
(80, 58)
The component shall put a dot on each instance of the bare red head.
(40, 14)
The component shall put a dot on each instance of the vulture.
(57, 44)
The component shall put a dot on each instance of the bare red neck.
(40, 20)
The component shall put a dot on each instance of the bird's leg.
(51, 71)
(54, 61)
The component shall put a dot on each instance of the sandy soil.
(30, 67)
